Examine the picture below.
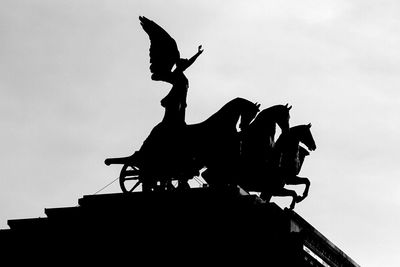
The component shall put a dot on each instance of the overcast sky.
(75, 88)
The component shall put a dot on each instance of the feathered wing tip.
(164, 53)
(144, 22)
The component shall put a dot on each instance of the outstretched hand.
(200, 50)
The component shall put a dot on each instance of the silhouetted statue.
(207, 144)
(257, 144)
(212, 144)
(291, 156)
(246, 156)
(215, 143)
(164, 55)
(164, 148)
(258, 140)
(284, 166)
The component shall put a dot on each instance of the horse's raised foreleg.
(296, 180)
(283, 192)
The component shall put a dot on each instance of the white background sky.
(75, 88)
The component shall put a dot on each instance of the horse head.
(283, 116)
(278, 114)
(304, 135)
(249, 112)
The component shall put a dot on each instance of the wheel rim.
(129, 178)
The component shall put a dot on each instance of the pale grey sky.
(75, 88)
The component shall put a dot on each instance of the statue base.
(200, 225)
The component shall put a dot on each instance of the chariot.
(132, 176)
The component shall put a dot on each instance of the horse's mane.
(215, 119)
(262, 117)
(291, 134)
(295, 131)
(227, 107)
(300, 127)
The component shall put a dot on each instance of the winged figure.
(164, 55)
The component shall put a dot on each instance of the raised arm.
(189, 62)
(193, 58)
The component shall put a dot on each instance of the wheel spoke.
(131, 178)
(130, 172)
(135, 186)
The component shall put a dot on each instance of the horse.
(257, 143)
(253, 147)
(288, 159)
(215, 142)
(181, 151)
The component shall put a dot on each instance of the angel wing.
(164, 53)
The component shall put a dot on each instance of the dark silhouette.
(164, 151)
(282, 167)
(257, 143)
(236, 146)
(184, 228)
(291, 156)
(214, 144)
(258, 140)
(232, 154)
(164, 55)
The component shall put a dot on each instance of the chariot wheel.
(129, 178)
